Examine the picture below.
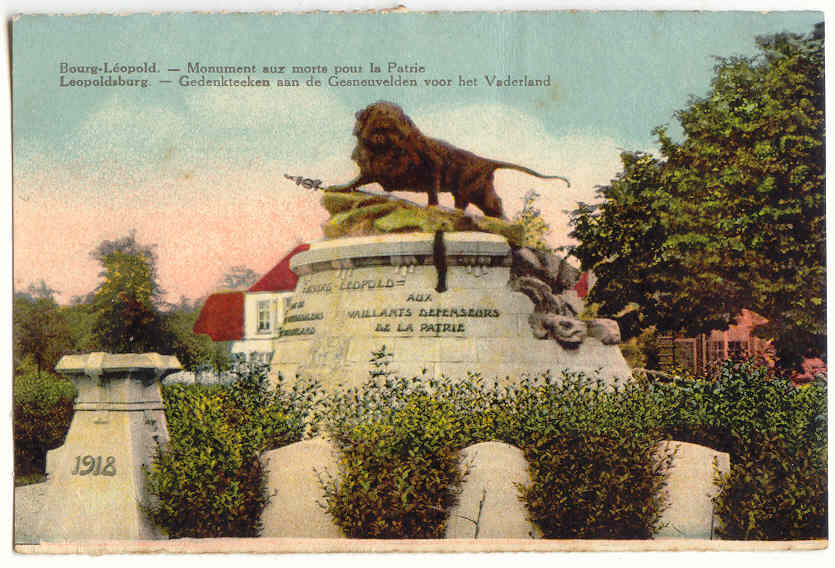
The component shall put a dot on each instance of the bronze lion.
(392, 152)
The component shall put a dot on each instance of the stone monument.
(443, 303)
(95, 480)
(444, 292)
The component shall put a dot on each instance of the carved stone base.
(95, 482)
(436, 316)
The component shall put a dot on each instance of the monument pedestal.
(95, 480)
(446, 308)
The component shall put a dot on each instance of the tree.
(40, 331)
(731, 217)
(81, 320)
(194, 351)
(535, 228)
(238, 277)
(125, 305)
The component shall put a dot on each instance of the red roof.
(222, 317)
(280, 278)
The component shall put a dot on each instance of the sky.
(199, 171)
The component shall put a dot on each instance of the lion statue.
(392, 152)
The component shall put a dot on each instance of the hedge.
(209, 480)
(43, 410)
(400, 472)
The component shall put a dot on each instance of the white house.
(248, 321)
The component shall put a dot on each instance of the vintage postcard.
(429, 282)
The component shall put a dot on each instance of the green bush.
(209, 480)
(590, 448)
(593, 486)
(400, 471)
(592, 454)
(727, 405)
(776, 436)
(773, 492)
(43, 410)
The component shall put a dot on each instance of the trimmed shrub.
(773, 492)
(592, 486)
(43, 410)
(399, 472)
(209, 480)
(776, 436)
(591, 449)
(730, 403)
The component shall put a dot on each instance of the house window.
(264, 317)
(737, 349)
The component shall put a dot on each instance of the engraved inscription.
(304, 317)
(92, 465)
(370, 284)
(298, 331)
(384, 313)
(354, 285)
(459, 313)
(318, 289)
(442, 328)
(406, 312)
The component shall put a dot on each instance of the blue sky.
(199, 171)
(618, 73)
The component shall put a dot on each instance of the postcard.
(419, 281)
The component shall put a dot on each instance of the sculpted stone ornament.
(544, 300)
(392, 152)
(567, 331)
(550, 268)
(548, 281)
(362, 213)
(606, 330)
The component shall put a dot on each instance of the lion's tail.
(510, 166)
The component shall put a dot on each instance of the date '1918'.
(89, 465)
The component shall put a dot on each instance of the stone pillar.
(489, 504)
(293, 482)
(690, 490)
(95, 480)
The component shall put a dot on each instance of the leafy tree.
(535, 228)
(238, 277)
(40, 331)
(193, 351)
(126, 304)
(731, 217)
(81, 320)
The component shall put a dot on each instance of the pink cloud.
(200, 229)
